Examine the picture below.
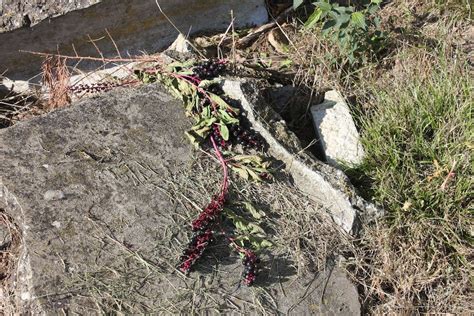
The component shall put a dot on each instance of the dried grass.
(56, 79)
(10, 244)
(419, 258)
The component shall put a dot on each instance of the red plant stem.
(232, 241)
(192, 78)
(191, 82)
(225, 181)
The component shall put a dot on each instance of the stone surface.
(103, 193)
(136, 26)
(24, 13)
(337, 132)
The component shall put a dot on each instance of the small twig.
(96, 47)
(450, 175)
(133, 59)
(219, 51)
(177, 29)
(233, 39)
(113, 42)
(248, 39)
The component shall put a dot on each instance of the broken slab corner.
(336, 131)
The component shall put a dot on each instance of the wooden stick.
(93, 58)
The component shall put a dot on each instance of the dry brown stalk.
(148, 58)
(56, 78)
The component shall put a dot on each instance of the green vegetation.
(413, 105)
(356, 32)
(419, 142)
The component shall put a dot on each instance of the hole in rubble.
(293, 104)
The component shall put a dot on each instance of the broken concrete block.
(103, 193)
(336, 130)
(135, 26)
(330, 187)
(180, 45)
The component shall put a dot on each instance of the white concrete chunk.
(336, 130)
(181, 45)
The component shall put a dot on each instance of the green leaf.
(297, 3)
(241, 172)
(206, 112)
(253, 211)
(254, 175)
(185, 88)
(358, 20)
(224, 131)
(206, 83)
(324, 6)
(373, 8)
(248, 159)
(286, 63)
(313, 18)
(342, 19)
(259, 243)
(328, 26)
(226, 118)
(217, 99)
(192, 139)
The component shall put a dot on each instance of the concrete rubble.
(93, 189)
(135, 27)
(323, 183)
(336, 131)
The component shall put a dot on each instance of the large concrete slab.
(135, 26)
(103, 193)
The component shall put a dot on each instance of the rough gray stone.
(336, 130)
(108, 243)
(24, 13)
(136, 26)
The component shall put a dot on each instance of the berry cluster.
(94, 87)
(209, 69)
(195, 249)
(247, 137)
(250, 262)
(210, 214)
(216, 89)
(216, 134)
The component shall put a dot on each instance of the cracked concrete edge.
(322, 183)
(20, 294)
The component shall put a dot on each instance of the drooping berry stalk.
(211, 213)
(99, 86)
(217, 135)
(195, 249)
(250, 262)
(205, 223)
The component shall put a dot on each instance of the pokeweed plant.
(356, 32)
(219, 122)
